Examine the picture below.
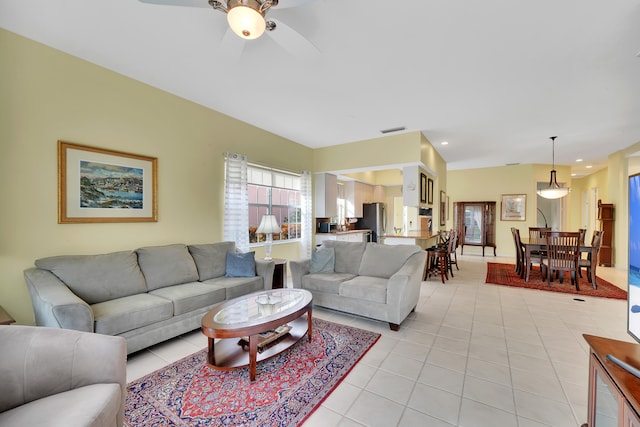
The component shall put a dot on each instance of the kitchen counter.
(424, 239)
(348, 236)
(412, 235)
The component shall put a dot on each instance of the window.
(278, 192)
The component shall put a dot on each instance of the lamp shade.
(554, 191)
(268, 225)
(246, 22)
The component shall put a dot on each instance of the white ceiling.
(494, 78)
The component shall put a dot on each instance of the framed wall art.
(430, 191)
(98, 185)
(514, 207)
(443, 208)
(423, 188)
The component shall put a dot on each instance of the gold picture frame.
(98, 185)
(513, 207)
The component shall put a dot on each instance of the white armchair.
(60, 377)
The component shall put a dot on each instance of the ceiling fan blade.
(231, 46)
(292, 41)
(285, 4)
(188, 3)
(282, 4)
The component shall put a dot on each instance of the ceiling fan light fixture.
(554, 191)
(246, 19)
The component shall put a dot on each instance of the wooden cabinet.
(614, 393)
(326, 195)
(605, 218)
(355, 194)
(475, 223)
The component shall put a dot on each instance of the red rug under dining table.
(505, 274)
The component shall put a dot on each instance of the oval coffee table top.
(256, 309)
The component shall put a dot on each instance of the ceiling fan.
(247, 20)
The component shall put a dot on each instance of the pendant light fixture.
(554, 191)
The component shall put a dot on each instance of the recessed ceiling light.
(574, 174)
(578, 160)
(589, 166)
(444, 143)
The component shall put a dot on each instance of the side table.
(5, 318)
(280, 273)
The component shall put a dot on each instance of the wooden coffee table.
(249, 316)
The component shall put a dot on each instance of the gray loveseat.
(368, 279)
(57, 377)
(146, 295)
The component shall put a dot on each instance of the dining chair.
(590, 263)
(563, 253)
(583, 235)
(452, 258)
(538, 233)
(519, 252)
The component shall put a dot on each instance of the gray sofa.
(146, 295)
(368, 279)
(57, 377)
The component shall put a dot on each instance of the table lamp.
(268, 225)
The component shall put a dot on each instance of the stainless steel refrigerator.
(374, 218)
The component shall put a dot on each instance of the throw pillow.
(241, 264)
(322, 260)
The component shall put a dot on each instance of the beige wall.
(489, 184)
(47, 95)
(379, 152)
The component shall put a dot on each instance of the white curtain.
(236, 201)
(306, 214)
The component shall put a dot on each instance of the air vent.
(512, 164)
(398, 129)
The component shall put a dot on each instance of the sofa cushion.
(348, 255)
(91, 405)
(124, 314)
(240, 264)
(98, 278)
(238, 286)
(325, 282)
(385, 260)
(365, 288)
(191, 296)
(211, 258)
(167, 265)
(322, 260)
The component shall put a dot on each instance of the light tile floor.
(472, 354)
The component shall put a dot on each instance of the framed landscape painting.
(98, 185)
(514, 207)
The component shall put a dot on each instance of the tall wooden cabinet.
(605, 218)
(475, 223)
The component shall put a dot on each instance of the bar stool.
(436, 263)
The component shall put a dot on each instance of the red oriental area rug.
(505, 274)
(287, 389)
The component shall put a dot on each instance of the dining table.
(534, 244)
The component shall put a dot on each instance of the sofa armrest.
(265, 268)
(41, 362)
(403, 288)
(54, 304)
(298, 269)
